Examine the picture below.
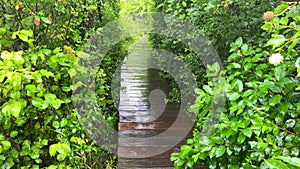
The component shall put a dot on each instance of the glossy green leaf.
(52, 167)
(5, 145)
(247, 132)
(241, 138)
(239, 41)
(220, 151)
(281, 8)
(239, 85)
(13, 134)
(213, 152)
(14, 108)
(46, 20)
(61, 157)
(276, 41)
(275, 100)
(276, 164)
(290, 160)
(279, 73)
(233, 96)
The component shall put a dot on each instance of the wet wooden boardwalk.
(144, 115)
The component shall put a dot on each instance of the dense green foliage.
(261, 125)
(221, 21)
(129, 7)
(40, 44)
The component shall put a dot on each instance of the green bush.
(39, 46)
(261, 125)
(221, 23)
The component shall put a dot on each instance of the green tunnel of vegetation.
(41, 41)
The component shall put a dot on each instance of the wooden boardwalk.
(144, 116)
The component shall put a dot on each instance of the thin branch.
(295, 134)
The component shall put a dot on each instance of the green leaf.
(217, 140)
(51, 99)
(275, 100)
(16, 109)
(279, 73)
(13, 109)
(39, 103)
(61, 157)
(15, 95)
(64, 122)
(66, 88)
(281, 8)
(46, 51)
(53, 149)
(5, 145)
(213, 152)
(18, 59)
(46, 73)
(276, 41)
(290, 160)
(207, 89)
(292, 46)
(31, 89)
(24, 34)
(35, 154)
(236, 65)
(16, 80)
(247, 132)
(2, 137)
(25, 148)
(297, 63)
(233, 96)
(244, 49)
(275, 164)
(290, 123)
(234, 56)
(57, 50)
(239, 84)
(13, 134)
(220, 151)
(46, 20)
(2, 31)
(239, 41)
(72, 72)
(185, 148)
(64, 149)
(55, 124)
(266, 85)
(241, 138)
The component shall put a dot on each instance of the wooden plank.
(152, 126)
(150, 163)
(145, 152)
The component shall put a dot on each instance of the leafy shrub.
(40, 44)
(221, 21)
(261, 125)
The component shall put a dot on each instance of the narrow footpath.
(143, 113)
